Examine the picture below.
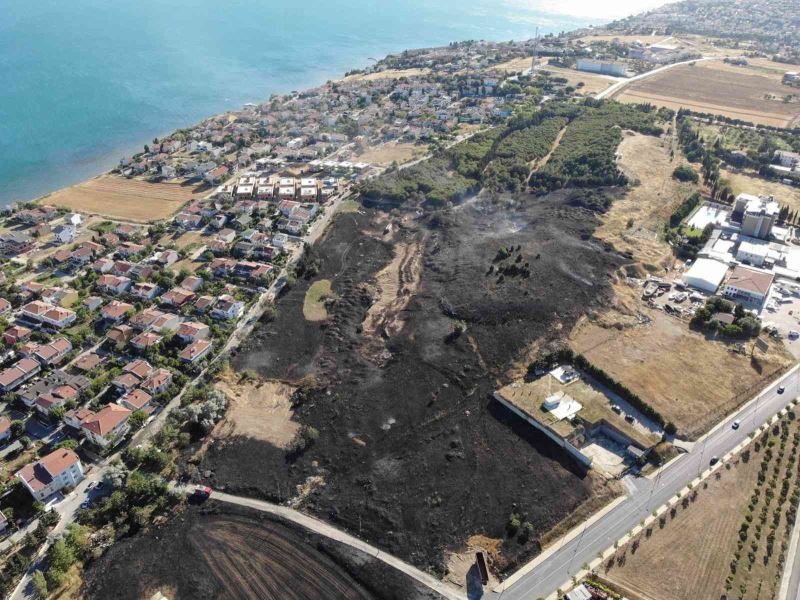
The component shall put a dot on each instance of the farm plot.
(706, 88)
(126, 199)
(728, 538)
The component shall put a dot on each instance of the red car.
(202, 492)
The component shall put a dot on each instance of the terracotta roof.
(137, 399)
(106, 419)
(750, 280)
(39, 474)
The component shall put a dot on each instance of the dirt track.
(412, 454)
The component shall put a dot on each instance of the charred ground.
(411, 453)
(223, 551)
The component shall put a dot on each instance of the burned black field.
(222, 551)
(427, 320)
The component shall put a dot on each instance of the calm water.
(83, 82)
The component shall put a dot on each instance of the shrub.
(685, 173)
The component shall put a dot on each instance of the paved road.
(621, 84)
(331, 532)
(647, 495)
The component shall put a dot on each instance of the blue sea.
(84, 82)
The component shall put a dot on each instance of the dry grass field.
(787, 195)
(707, 87)
(126, 199)
(386, 154)
(388, 74)
(687, 558)
(645, 159)
(690, 380)
(728, 538)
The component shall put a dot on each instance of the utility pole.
(535, 53)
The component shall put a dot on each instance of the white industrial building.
(606, 67)
(753, 251)
(706, 274)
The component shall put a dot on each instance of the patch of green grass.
(314, 303)
(349, 206)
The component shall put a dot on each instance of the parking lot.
(782, 311)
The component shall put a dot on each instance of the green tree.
(40, 584)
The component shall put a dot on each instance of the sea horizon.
(90, 82)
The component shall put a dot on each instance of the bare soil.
(390, 152)
(135, 200)
(414, 455)
(742, 182)
(258, 409)
(220, 552)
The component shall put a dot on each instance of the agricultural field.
(690, 380)
(123, 199)
(728, 537)
(705, 87)
(223, 551)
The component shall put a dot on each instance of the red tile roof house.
(145, 290)
(177, 297)
(158, 382)
(18, 373)
(54, 352)
(103, 265)
(5, 306)
(50, 315)
(195, 351)
(51, 473)
(168, 257)
(5, 429)
(144, 320)
(16, 333)
(107, 425)
(203, 303)
(76, 416)
(145, 340)
(113, 284)
(190, 331)
(116, 311)
(192, 283)
(120, 334)
(138, 399)
(88, 361)
(55, 398)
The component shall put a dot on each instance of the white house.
(51, 473)
(227, 307)
(107, 425)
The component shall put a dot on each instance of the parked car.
(735, 424)
(202, 492)
(630, 418)
(781, 389)
(714, 460)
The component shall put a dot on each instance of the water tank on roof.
(552, 402)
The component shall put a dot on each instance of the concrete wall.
(572, 450)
